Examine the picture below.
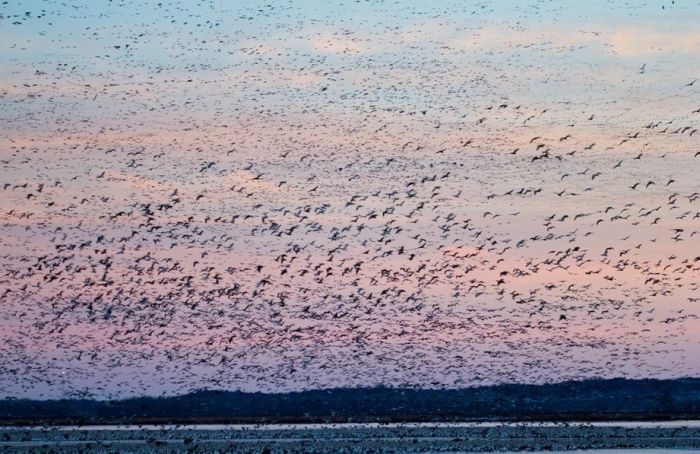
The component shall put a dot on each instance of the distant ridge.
(611, 399)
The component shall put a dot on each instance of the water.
(425, 425)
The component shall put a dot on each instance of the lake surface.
(416, 437)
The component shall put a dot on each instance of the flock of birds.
(201, 203)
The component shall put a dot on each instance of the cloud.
(636, 41)
(339, 45)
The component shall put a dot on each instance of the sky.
(276, 196)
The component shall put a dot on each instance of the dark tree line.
(575, 400)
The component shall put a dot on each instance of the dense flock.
(287, 196)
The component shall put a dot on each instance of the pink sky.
(363, 157)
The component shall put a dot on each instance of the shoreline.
(651, 424)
